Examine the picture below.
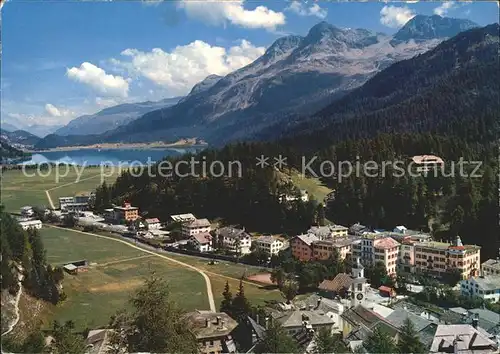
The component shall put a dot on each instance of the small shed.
(387, 291)
(71, 269)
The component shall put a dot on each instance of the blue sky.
(64, 59)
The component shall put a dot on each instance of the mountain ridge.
(112, 117)
(415, 94)
(275, 87)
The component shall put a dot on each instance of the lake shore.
(119, 146)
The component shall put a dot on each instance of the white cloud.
(301, 9)
(179, 70)
(53, 111)
(95, 77)
(395, 17)
(221, 12)
(443, 9)
(105, 102)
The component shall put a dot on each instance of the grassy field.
(313, 186)
(95, 295)
(20, 189)
(233, 270)
(255, 293)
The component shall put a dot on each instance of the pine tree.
(65, 341)
(289, 290)
(226, 303)
(408, 339)
(277, 341)
(241, 306)
(379, 342)
(155, 323)
(327, 342)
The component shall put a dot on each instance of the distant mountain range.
(8, 153)
(295, 77)
(8, 127)
(112, 117)
(19, 138)
(451, 89)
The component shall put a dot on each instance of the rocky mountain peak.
(422, 27)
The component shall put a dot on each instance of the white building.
(31, 224)
(427, 163)
(234, 239)
(329, 231)
(372, 249)
(153, 223)
(202, 242)
(269, 244)
(400, 229)
(462, 338)
(486, 287)
(303, 196)
(491, 267)
(182, 217)
(197, 226)
(27, 211)
(65, 200)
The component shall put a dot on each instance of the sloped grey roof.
(296, 318)
(325, 304)
(399, 316)
(488, 282)
(258, 329)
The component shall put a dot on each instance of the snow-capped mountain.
(422, 28)
(204, 85)
(112, 117)
(295, 77)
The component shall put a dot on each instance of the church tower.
(358, 286)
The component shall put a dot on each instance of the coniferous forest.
(23, 254)
(444, 102)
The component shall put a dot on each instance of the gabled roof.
(297, 317)
(385, 289)
(232, 232)
(399, 316)
(361, 316)
(260, 331)
(385, 243)
(466, 338)
(308, 239)
(202, 238)
(199, 223)
(492, 263)
(341, 281)
(488, 282)
(152, 221)
(487, 319)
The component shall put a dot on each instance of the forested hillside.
(452, 89)
(444, 102)
(23, 251)
(9, 152)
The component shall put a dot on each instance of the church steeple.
(357, 270)
(358, 285)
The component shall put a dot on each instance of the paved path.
(16, 304)
(123, 260)
(50, 199)
(210, 294)
(64, 185)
